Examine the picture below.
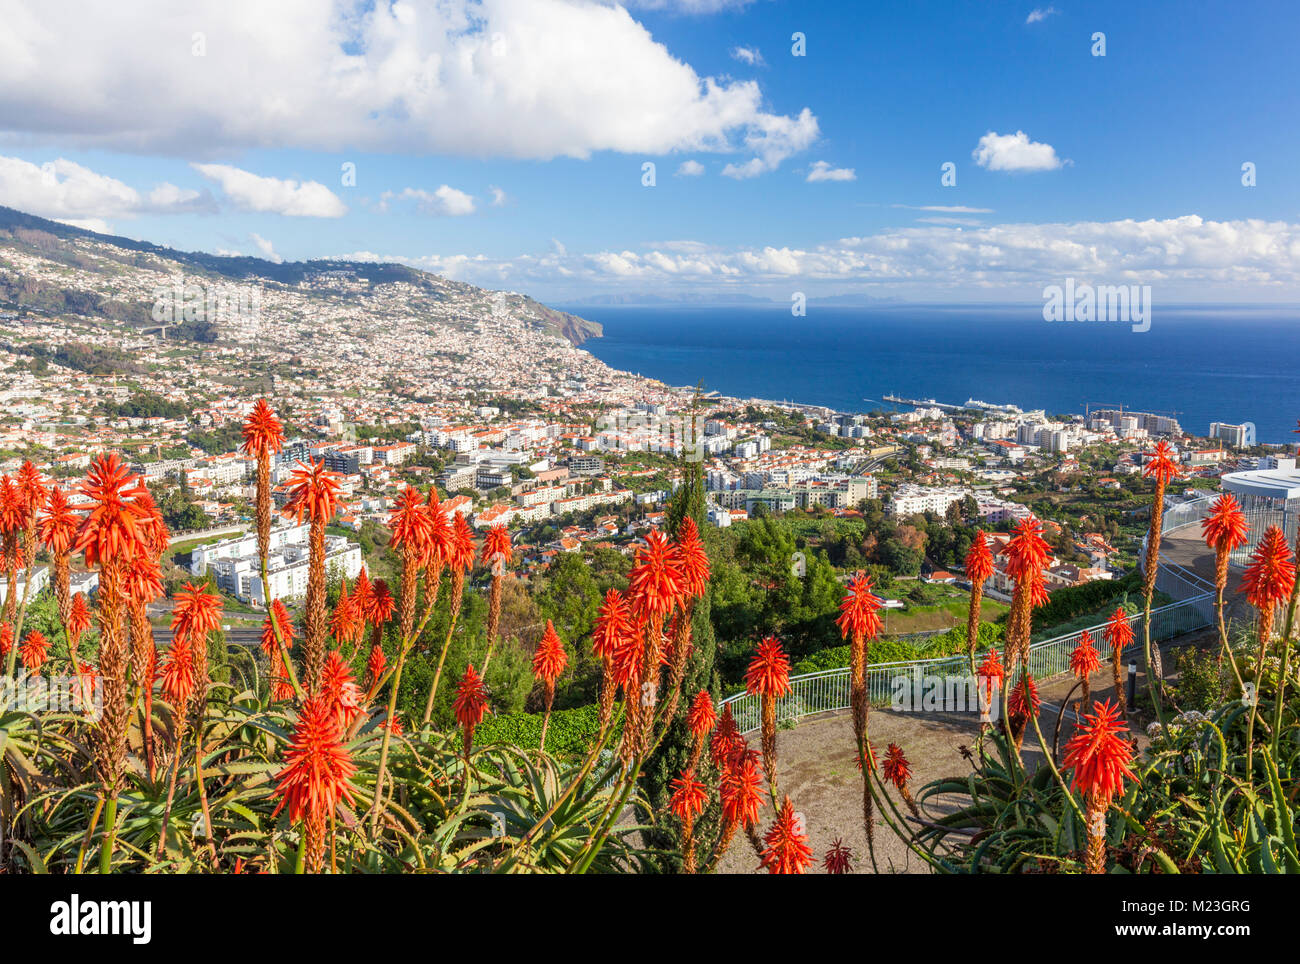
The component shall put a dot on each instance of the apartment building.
(236, 565)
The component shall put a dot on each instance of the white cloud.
(531, 79)
(748, 55)
(1040, 13)
(67, 191)
(690, 169)
(945, 208)
(264, 246)
(499, 197)
(88, 224)
(1015, 152)
(822, 171)
(445, 201)
(774, 138)
(1224, 257)
(252, 192)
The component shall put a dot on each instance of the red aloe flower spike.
(655, 584)
(787, 850)
(550, 659)
(262, 431)
(839, 859)
(78, 618)
(1084, 661)
(1163, 464)
(112, 529)
(859, 618)
(1119, 634)
(470, 704)
(741, 791)
(58, 526)
(1225, 528)
(33, 650)
(375, 666)
(692, 559)
(701, 717)
(1099, 756)
(979, 560)
(277, 618)
(316, 776)
(896, 769)
(1270, 575)
(769, 671)
(313, 492)
(688, 797)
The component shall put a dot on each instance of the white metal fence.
(1192, 609)
(828, 690)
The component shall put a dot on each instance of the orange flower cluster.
(787, 850)
(1084, 661)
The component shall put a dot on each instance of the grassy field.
(921, 619)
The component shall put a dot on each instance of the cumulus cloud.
(498, 196)
(690, 169)
(1223, 256)
(445, 201)
(532, 79)
(74, 194)
(748, 55)
(1015, 152)
(1039, 14)
(252, 192)
(773, 139)
(822, 171)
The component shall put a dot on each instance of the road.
(162, 637)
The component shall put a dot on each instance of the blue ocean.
(1207, 364)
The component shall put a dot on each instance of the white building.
(236, 566)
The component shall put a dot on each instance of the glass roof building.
(1269, 497)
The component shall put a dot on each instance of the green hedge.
(571, 732)
(1066, 605)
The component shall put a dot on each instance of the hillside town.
(420, 380)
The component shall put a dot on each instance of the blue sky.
(503, 141)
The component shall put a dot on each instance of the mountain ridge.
(29, 228)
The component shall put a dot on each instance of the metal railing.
(828, 690)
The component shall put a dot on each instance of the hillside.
(88, 253)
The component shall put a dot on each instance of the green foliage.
(215, 441)
(570, 733)
(178, 509)
(1202, 679)
(1074, 601)
(1199, 803)
(92, 359)
(145, 405)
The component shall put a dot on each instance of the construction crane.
(1088, 406)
